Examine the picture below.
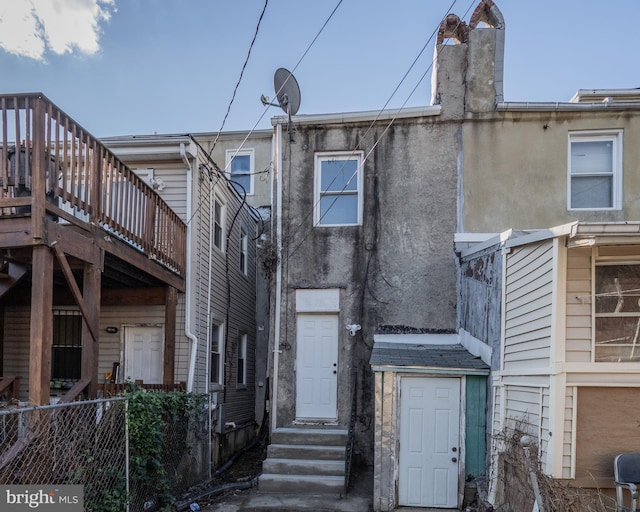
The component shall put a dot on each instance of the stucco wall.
(397, 269)
(512, 157)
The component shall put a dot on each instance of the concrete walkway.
(359, 499)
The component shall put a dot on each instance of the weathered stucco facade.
(396, 269)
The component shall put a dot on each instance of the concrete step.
(305, 452)
(303, 467)
(319, 436)
(300, 484)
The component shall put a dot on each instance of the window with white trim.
(244, 251)
(595, 170)
(240, 168)
(617, 312)
(338, 189)
(242, 360)
(216, 360)
(218, 223)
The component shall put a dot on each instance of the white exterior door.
(429, 442)
(317, 366)
(144, 359)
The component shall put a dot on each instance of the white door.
(144, 358)
(429, 442)
(317, 366)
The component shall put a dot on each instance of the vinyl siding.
(523, 404)
(232, 297)
(16, 336)
(567, 435)
(579, 318)
(528, 307)
(16, 347)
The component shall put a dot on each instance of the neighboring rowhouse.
(92, 262)
(216, 332)
(548, 243)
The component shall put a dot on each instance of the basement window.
(617, 313)
(66, 351)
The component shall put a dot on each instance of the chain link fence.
(88, 443)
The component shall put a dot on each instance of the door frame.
(461, 428)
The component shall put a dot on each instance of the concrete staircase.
(304, 461)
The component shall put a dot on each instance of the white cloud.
(30, 28)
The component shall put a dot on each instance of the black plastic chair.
(626, 471)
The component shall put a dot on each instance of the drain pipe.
(187, 314)
(276, 329)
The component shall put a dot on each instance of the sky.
(134, 67)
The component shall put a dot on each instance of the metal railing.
(50, 165)
(351, 434)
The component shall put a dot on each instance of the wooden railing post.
(38, 182)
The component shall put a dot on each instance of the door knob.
(454, 459)
(454, 449)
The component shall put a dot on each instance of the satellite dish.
(287, 91)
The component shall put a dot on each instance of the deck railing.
(50, 165)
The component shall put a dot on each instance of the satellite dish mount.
(287, 94)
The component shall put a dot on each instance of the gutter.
(515, 106)
(276, 329)
(187, 321)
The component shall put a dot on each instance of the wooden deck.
(75, 219)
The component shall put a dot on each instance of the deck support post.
(171, 300)
(41, 327)
(91, 292)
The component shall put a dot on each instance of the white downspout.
(187, 314)
(276, 330)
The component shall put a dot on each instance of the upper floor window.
(240, 167)
(338, 189)
(244, 248)
(218, 224)
(617, 311)
(595, 170)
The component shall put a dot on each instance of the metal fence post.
(126, 448)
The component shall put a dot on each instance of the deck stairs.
(305, 461)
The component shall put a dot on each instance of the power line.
(372, 124)
(244, 66)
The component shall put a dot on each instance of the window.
(240, 168)
(218, 223)
(595, 170)
(242, 359)
(66, 351)
(215, 366)
(617, 310)
(338, 186)
(244, 247)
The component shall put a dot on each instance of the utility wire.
(285, 81)
(244, 66)
(358, 169)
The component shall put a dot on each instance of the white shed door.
(317, 366)
(144, 359)
(429, 442)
